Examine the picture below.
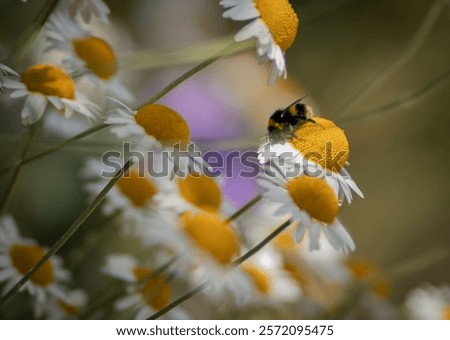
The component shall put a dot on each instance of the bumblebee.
(284, 122)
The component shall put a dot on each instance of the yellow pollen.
(280, 19)
(163, 123)
(314, 196)
(201, 191)
(98, 56)
(156, 291)
(213, 235)
(68, 308)
(49, 80)
(323, 143)
(364, 270)
(295, 272)
(258, 276)
(446, 313)
(285, 241)
(24, 257)
(139, 190)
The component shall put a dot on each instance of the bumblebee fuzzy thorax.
(283, 123)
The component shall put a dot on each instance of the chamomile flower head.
(271, 282)
(195, 191)
(42, 84)
(146, 294)
(311, 202)
(18, 255)
(87, 9)
(133, 195)
(156, 127)
(86, 54)
(205, 246)
(370, 274)
(429, 303)
(317, 149)
(5, 71)
(274, 25)
(68, 308)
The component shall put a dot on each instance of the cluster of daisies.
(180, 230)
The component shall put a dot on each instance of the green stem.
(244, 208)
(55, 148)
(30, 34)
(67, 235)
(413, 47)
(235, 264)
(404, 100)
(34, 129)
(191, 72)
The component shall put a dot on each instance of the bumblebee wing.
(295, 102)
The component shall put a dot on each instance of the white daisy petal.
(33, 109)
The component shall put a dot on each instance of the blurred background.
(398, 128)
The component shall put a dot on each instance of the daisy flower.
(311, 202)
(86, 54)
(195, 191)
(317, 150)
(19, 255)
(274, 25)
(133, 196)
(5, 71)
(271, 282)
(43, 83)
(370, 274)
(156, 127)
(205, 245)
(68, 308)
(374, 301)
(86, 9)
(429, 303)
(145, 294)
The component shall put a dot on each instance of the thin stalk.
(30, 34)
(54, 149)
(67, 235)
(192, 71)
(235, 264)
(402, 101)
(34, 129)
(413, 47)
(244, 208)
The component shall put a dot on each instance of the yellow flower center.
(201, 191)
(364, 270)
(285, 241)
(156, 291)
(280, 19)
(314, 196)
(446, 313)
(258, 276)
(138, 189)
(323, 143)
(163, 123)
(68, 308)
(24, 257)
(213, 235)
(295, 272)
(49, 80)
(98, 56)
